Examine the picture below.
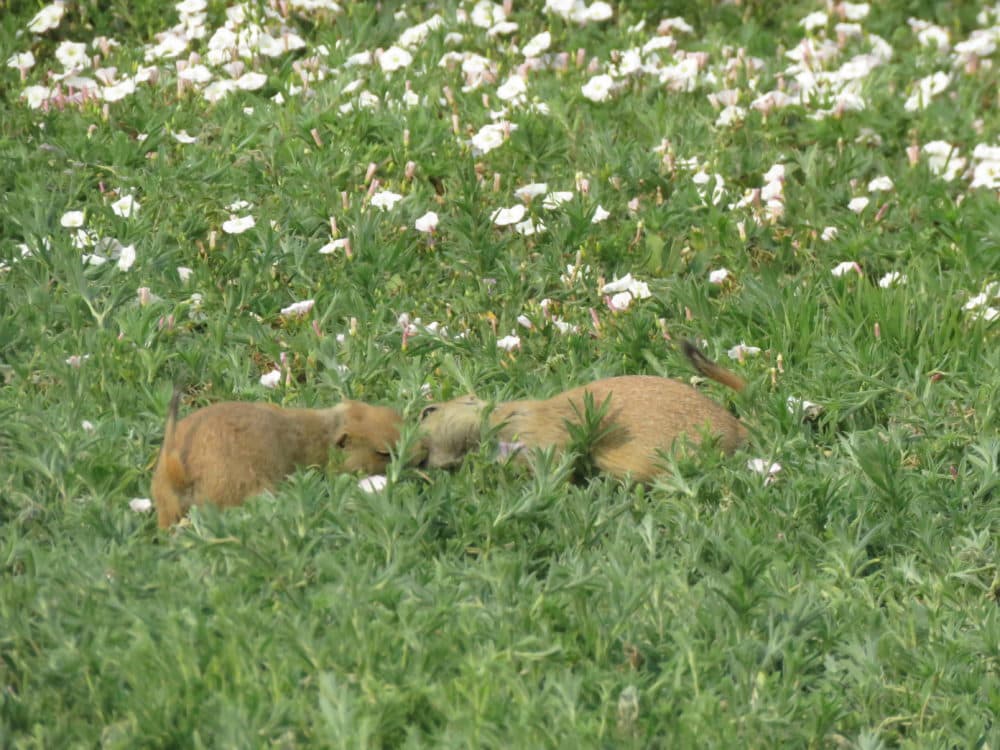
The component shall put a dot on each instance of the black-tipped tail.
(710, 369)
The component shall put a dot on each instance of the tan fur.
(645, 415)
(230, 451)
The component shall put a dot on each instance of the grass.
(851, 602)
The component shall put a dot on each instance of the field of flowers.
(302, 201)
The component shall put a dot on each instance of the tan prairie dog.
(230, 451)
(645, 415)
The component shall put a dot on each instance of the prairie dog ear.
(427, 411)
(339, 435)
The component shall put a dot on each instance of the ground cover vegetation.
(301, 202)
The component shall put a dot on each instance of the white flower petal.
(72, 219)
(140, 504)
(271, 379)
(426, 223)
(373, 483)
(238, 224)
(504, 217)
(298, 309)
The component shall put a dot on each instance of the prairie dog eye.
(427, 411)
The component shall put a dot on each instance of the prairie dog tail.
(710, 369)
(169, 455)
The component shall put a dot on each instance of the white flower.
(126, 257)
(504, 28)
(417, 35)
(563, 327)
(986, 174)
(986, 152)
(125, 206)
(857, 205)
(184, 273)
(557, 198)
(47, 18)
(427, 223)
(331, 247)
(846, 266)
(880, 183)
(196, 74)
(394, 58)
(298, 309)
(741, 350)
(855, 11)
(271, 379)
(504, 217)
(140, 504)
(809, 408)
(509, 343)
(765, 468)
(638, 289)
(490, 137)
(978, 301)
(598, 88)
(386, 199)
(718, 276)
(531, 190)
(118, 91)
(829, 233)
(926, 88)
(943, 159)
(21, 60)
(238, 205)
(528, 227)
(537, 44)
(600, 214)
(620, 302)
(181, 136)
(989, 314)
(674, 24)
(815, 20)
(513, 89)
(92, 259)
(251, 81)
(730, 115)
(368, 100)
(238, 224)
(373, 483)
(87, 425)
(893, 278)
(360, 58)
(599, 11)
(525, 321)
(561, 7)
(218, 90)
(485, 14)
(72, 219)
(72, 55)
(36, 96)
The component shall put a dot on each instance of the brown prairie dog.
(645, 415)
(230, 451)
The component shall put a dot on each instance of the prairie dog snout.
(227, 452)
(645, 415)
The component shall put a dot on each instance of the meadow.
(300, 201)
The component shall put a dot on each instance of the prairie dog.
(229, 451)
(645, 415)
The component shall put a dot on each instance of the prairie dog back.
(227, 452)
(645, 415)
